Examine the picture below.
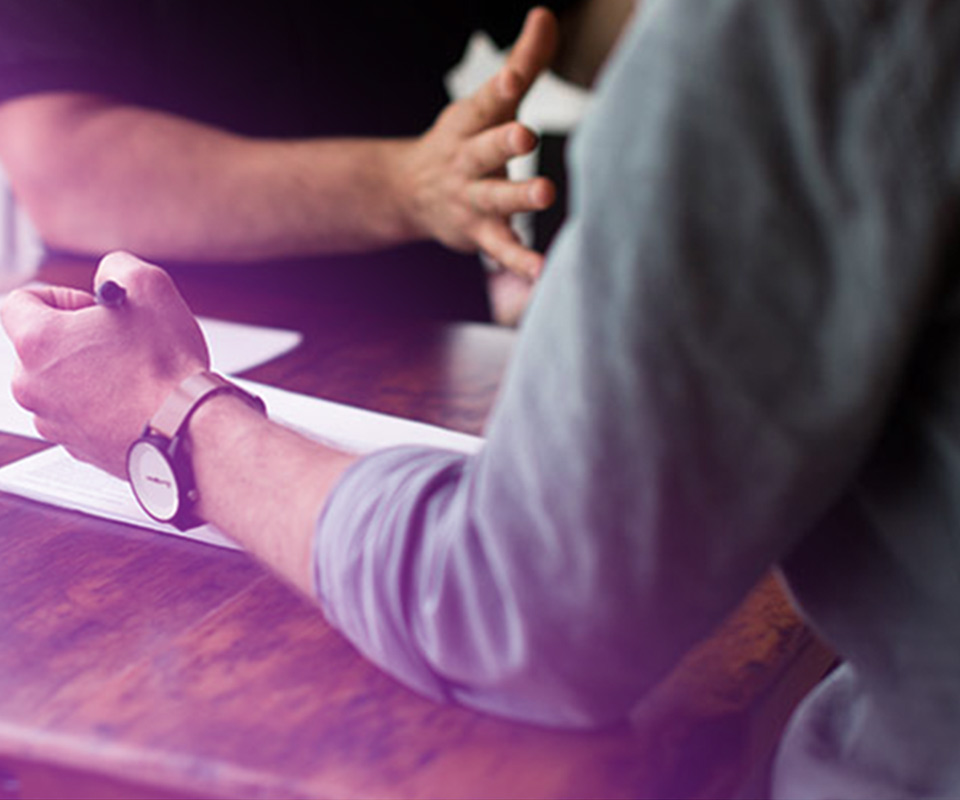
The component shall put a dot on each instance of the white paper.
(350, 428)
(53, 476)
(233, 348)
(13, 419)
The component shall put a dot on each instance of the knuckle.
(506, 201)
(515, 138)
(486, 105)
(32, 344)
(488, 239)
(448, 114)
(155, 279)
(137, 276)
(15, 315)
(514, 198)
(465, 162)
(23, 390)
(477, 195)
(7, 307)
(46, 429)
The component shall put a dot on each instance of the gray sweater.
(745, 352)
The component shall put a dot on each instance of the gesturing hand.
(93, 376)
(456, 172)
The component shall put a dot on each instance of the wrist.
(402, 172)
(160, 462)
(223, 428)
(219, 421)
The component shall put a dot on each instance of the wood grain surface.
(134, 664)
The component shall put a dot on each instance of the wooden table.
(134, 664)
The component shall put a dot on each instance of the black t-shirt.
(283, 68)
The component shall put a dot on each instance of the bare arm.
(63, 338)
(277, 519)
(97, 175)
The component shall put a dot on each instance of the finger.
(41, 299)
(490, 150)
(496, 101)
(504, 198)
(132, 273)
(33, 318)
(22, 390)
(62, 298)
(150, 289)
(45, 429)
(500, 242)
(146, 284)
(533, 52)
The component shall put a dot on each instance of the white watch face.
(153, 481)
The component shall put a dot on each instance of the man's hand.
(94, 376)
(454, 175)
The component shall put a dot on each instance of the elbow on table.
(546, 674)
(56, 178)
(557, 698)
(65, 216)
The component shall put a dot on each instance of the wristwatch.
(158, 463)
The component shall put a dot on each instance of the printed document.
(53, 476)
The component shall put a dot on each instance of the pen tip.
(111, 294)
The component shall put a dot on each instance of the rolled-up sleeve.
(718, 336)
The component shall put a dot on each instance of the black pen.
(111, 294)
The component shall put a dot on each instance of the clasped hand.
(93, 376)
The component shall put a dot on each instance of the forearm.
(97, 176)
(262, 484)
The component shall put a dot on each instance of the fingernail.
(519, 141)
(539, 195)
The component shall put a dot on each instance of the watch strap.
(189, 395)
(165, 434)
